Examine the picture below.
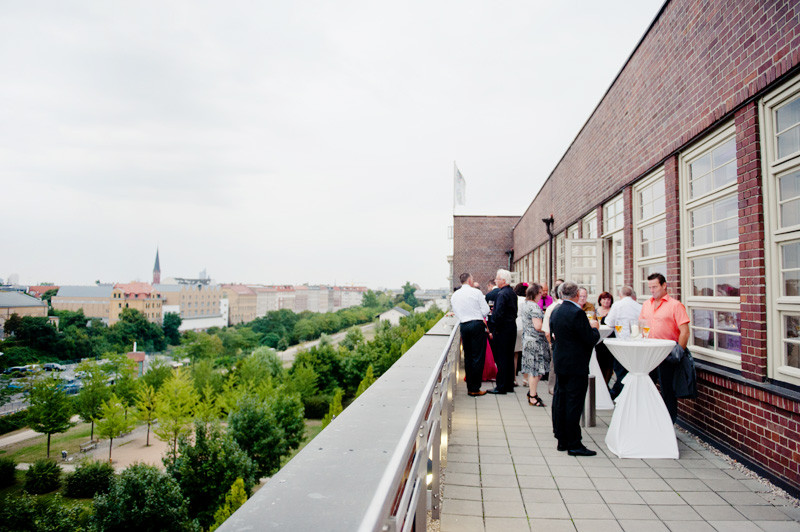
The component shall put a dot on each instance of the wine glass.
(645, 325)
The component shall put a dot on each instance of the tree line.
(226, 424)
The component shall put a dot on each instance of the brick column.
(753, 292)
(627, 231)
(673, 218)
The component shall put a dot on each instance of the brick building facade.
(480, 246)
(690, 166)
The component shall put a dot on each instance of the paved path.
(288, 356)
(504, 473)
(26, 434)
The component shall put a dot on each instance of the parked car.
(52, 366)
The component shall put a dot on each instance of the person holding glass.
(604, 357)
(535, 350)
(622, 313)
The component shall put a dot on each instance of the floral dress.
(535, 351)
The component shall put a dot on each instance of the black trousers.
(620, 372)
(666, 372)
(568, 401)
(504, 338)
(473, 338)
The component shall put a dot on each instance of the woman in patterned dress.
(535, 351)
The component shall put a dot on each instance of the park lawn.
(30, 450)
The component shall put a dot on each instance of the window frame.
(772, 169)
(640, 262)
(586, 223)
(688, 253)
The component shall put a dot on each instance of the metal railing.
(377, 466)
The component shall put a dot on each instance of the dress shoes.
(561, 448)
(477, 394)
(496, 391)
(582, 451)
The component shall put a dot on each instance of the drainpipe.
(548, 223)
(510, 254)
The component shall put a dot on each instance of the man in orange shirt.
(668, 320)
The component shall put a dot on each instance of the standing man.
(503, 326)
(623, 310)
(668, 320)
(574, 337)
(471, 309)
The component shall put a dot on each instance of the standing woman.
(604, 357)
(519, 289)
(535, 351)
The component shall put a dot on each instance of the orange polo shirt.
(665, 316)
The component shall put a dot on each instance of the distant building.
(21, 305)
(140, 296)
(242, 303)
(393, 315)
(95, 300)
(157, 271)
(39, 291)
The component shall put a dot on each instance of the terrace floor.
(504, 473)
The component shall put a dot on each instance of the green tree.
(158, 372)
(335, 408)
(408, 295)
(133, 326)
(48, 409)
(95, 390)
(33, 332)
(233, 500)
(369, 299)
(369, 378)
(172, 321)
(123, 372)
(144, 499)
(208, 408)
(352, 339)
(303, 381)
(146, 404)
(205, 466)
(261, 365)
(113, 421)
(199, 346)
(258, 428)
(48, 296)
(175, 408)
(51, 513)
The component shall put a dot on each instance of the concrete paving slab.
(552, 525)
(632, 511)
(504, 524)
(634, 525)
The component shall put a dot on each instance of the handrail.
(367, 470)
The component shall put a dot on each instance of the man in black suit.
(574, 337)
(503, 326)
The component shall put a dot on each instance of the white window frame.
(615, 243)
(587, 223)
(561, 255)
(689, 252)
(618, 205)
(573, 231)
(778, 306)
(640, 262)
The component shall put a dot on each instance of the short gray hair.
(627, 291)
(569, 290)
(504, 275)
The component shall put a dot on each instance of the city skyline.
(290, 142)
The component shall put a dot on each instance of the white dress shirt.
(625, 309)
(547, 313)
(469, 304)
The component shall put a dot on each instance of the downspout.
(548, 223)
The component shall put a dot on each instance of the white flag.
(459, 188)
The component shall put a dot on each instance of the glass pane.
(793, 355)
(729, 321)
(728, 286)
(789, 142)
(726, 230)
(790, 186)
(700, 167)
(727, 264)
(701, 185)
(702, 267)
(790, 256)
(703, 318)
(790, 213)
(729, 342)
(792, 334)
(702, 287)
(788, 115)
(725, 174)
(791, 283)
(702, 216)
(702, 236)
(724, 153)
(792, 327)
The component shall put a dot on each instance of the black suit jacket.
(504, 314)
(573, 339)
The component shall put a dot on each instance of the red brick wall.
(760, 425)
(751, 245)
(673, 220)
(480, 244)
(700, 61)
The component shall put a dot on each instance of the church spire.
(157, 270)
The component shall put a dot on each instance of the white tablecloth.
(641, 426)
(602, 398)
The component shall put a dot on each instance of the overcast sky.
(284, 142)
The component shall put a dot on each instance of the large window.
(780, 133)
(561, 254)
(649, 231)
(589, 225)
(710, 254)
(614, 262)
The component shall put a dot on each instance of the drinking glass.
(634, 325)
(645, 326)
